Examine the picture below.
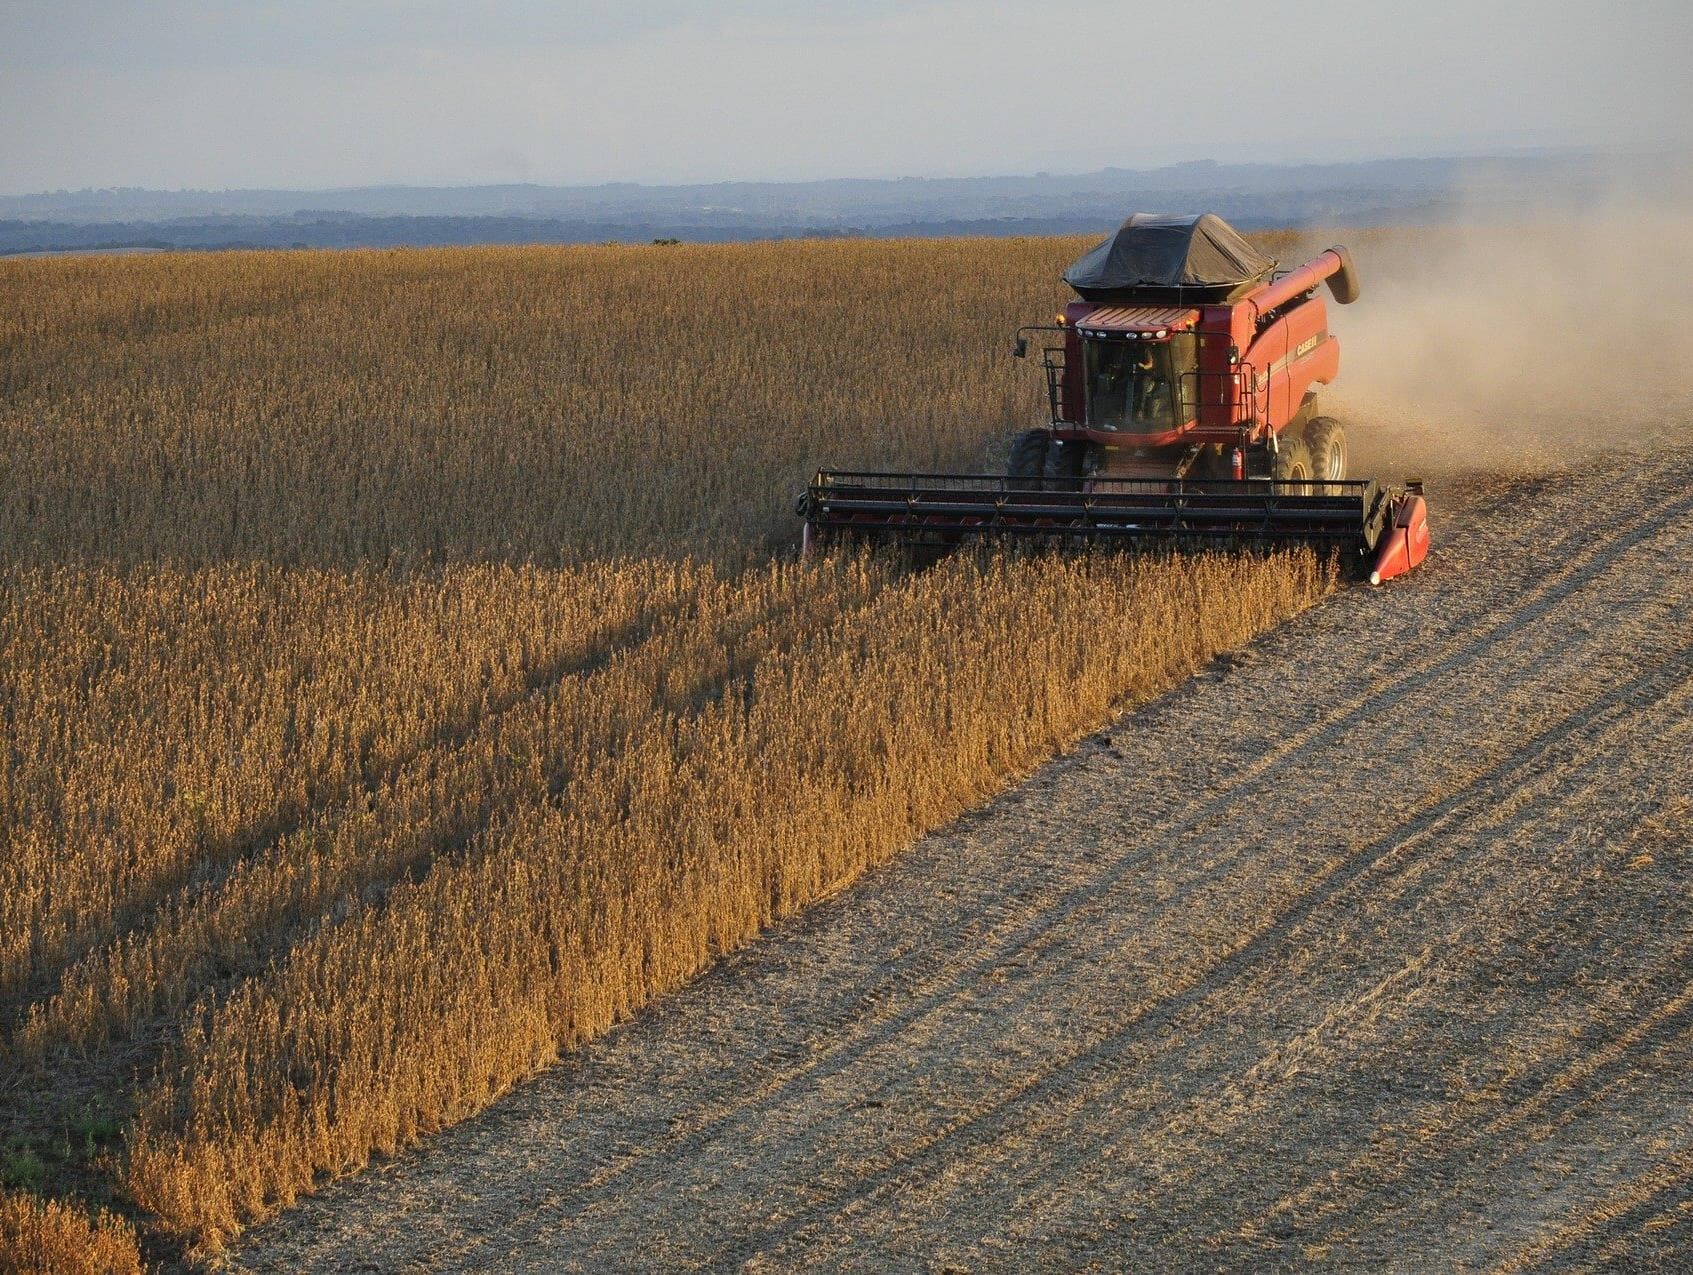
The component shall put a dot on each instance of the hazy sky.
(170, 93)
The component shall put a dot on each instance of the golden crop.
(45, 1237)
(398, 687)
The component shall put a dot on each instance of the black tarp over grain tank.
(1153, 257)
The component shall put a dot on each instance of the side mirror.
(1020, 348)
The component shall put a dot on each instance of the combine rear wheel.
(1028, 459)
(1327, 442)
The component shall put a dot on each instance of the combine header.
(1182, 389)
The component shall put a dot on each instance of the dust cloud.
(1556, 342)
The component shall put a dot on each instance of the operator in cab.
(1150, 390)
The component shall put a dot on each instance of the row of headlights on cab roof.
(1158, 335)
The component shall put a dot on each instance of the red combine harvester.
(1182, 389)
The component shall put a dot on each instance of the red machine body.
(1405, 543)
(1240, 375)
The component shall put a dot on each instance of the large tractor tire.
(1292, 463)
(1326, 441)
(1027, 466)
(1065, 464)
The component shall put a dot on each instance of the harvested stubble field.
(399, 689)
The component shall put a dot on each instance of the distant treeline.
(1377, 192)
(351, 231)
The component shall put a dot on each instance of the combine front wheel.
(1327, 441)
(1293, 462)
(1028, 459)
(1065, 464)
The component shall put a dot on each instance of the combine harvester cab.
(1183, 395)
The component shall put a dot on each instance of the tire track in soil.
(1454, 1138)
(1520, 1161)
(1092, 1069)
(1654, 1232)
(1597, 1239)
(1556, 1084)
(1552, 1091)
(618, 1140)
(1405, 982)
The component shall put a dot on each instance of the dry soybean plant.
(532, 404)
(44, 1237)
(399, 686)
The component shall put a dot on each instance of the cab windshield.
(1137, 386)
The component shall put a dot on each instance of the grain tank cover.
(1154, 257)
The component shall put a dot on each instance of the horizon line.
(1494, 154)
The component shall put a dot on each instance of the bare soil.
(1372, 947)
